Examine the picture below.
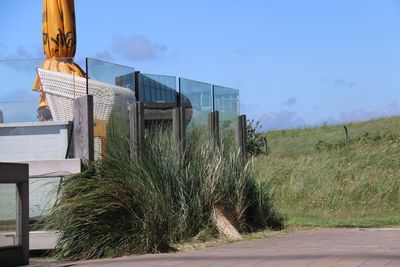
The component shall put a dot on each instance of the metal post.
(213, 97)
(179, 95)
(87, 76)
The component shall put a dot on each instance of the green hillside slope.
(319, 180)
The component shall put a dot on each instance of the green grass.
(318, 180)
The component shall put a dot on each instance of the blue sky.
(295, 62)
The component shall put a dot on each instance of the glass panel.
(226, 101)
(157, 88)
(112, 87)
(8, 215)
(111, 73)
(42, 195)
(198, 96)
(18, 102)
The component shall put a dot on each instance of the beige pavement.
(316, 247)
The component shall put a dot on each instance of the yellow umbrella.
(59, 41)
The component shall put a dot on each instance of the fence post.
(241, 135)
(216, 129)
(266, 150)
(346, 135)
(137, 85)
(213, 127)
(136, 124)
(178, 127)
(83, 128)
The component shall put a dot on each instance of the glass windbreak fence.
(18, 103)
(157, 88)
(113, 90)
(8, 215)
(226, 102)
(198, 95)
(39, 89)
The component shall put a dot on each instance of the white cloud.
(280, 120)
(137, 47)
(340, 82)
(290, 101)
(368, 113)
(104, 55)
(23, 53)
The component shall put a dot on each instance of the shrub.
(255, 141)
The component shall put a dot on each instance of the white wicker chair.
(61, 89)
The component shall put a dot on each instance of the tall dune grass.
(123, 205)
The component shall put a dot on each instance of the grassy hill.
(319, 180)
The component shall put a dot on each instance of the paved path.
(317, 247)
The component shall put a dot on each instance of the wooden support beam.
(216, 136)
(23, 218)
(83, 129)
(17, 173)
(179, 127)
(136, 123)
(241, 135)
(137, 85)
(213, 127)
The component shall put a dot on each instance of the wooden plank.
(100, 128)
(164, 105)
(33, 141)
(157, 114)
(83, 128)
(53, 168)
(35, 124)
(13, 172)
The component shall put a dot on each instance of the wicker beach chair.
(61, 89)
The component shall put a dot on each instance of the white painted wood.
(33, 141)
(53, 168)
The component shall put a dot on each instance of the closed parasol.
(59, 41)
